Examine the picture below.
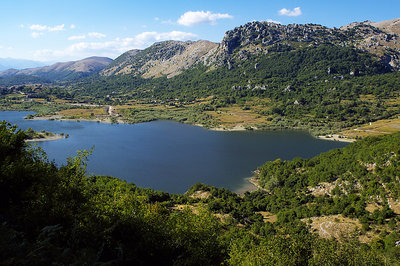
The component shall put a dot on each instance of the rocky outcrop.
(171, 58)
(380, 39)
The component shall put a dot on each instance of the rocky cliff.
(380, 39)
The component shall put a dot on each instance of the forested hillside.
(59, 214)
(261, 75)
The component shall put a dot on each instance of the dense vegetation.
(361, 173)
(312, 87)
(323, 88)
(60, 215)
(22, 79)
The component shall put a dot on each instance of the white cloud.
(36, 34)
(273, 21)
(22, 26)
(156, 18)
(152, 36)
(112, 48)
(291, 13)
(39, 30)
(76, 37)
(168, 22)
(72, 26)
(192, 18)
(97, 35)
(38, 27)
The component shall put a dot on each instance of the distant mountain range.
(7, 63)
(62, 71)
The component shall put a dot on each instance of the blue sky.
(61, 30)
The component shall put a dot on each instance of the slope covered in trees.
(51, 214)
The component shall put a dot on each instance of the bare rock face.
(380, 39)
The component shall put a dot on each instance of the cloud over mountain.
(192, 18)
(291, 13)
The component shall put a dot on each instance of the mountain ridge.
(256, 38)
(8, 63)
(63, 70)
(168, 58)
(251, 40)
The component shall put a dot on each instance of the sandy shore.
(250, 185)
(336, 138)
(247, 186)
(55, 137)
(221, 128)
(61, 118)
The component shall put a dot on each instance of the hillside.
(255, 39)
(168, 58)
(261, 76)
(312, 212)
(283, 76)
(62, 71)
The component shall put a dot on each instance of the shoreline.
(247, 186)
(250, 185)
(336, 137)
(49, 138)
(220, 128)
(60, 118)
(333, 137)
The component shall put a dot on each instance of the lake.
(170, 156)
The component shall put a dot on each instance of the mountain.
(168, 58)
(63, 71)
(256, 38)
(7, 63)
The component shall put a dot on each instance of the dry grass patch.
(380, 127)
(394, 205)
(224, 218)
(334, 226)
(83, 113)
(235, 116)
(201, 194)
(372, 206)
(268, 217)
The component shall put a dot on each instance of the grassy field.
(83, 113)
(380, 127)
(251, 114)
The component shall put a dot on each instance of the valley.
(139, 188)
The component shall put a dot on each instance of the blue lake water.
(170, 156)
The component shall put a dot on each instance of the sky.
(59, 30)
